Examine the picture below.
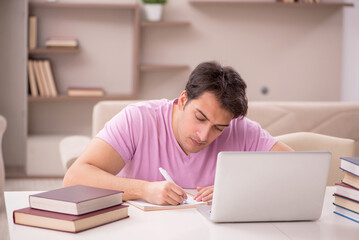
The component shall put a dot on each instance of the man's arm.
(98, 165)
(281, 147)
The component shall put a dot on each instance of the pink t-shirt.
(142, 134)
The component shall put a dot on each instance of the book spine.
(44, 78)
(50, 78)
(32, 32)
(38, 78)
(32, 80)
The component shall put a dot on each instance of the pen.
(168, 178)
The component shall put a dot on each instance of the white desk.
(186, 224)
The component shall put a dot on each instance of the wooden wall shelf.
(83, 5)
(64, 98)
(53, 50)
(165, 24)
(148, 67)
(265, 3)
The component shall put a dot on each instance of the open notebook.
(145, 206)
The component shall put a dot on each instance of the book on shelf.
(145, 206)
(350, 164)
(38, 76)
(66, 222)
(62, 42)
(75, 200)
(347, 213)
(45, 82)
(32, 80)
(32, 32)
(50, 78)
(41, 76)
(346, 203)
(347, 191)
(85, 92)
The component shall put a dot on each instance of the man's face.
(200, 121)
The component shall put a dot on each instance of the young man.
(183, 136)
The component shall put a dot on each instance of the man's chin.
(194, 149)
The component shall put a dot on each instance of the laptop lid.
(269, 186)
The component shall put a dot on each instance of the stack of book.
(346, 197)
(62, 42)
(300, 1)
(72, 209)
(41, 79)
(85, 92)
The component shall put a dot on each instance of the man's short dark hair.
(224, 82)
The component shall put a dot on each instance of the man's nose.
(203, 133)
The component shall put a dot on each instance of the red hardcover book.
(69, 223)
(76, 200)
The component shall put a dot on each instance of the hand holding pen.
(169, 179)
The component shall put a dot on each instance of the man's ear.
(182, 100)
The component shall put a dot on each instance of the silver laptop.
(268, 186)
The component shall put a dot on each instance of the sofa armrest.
(2, 165)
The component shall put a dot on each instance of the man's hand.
(164, 193)
(204, 193)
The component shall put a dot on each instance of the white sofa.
(336, 119)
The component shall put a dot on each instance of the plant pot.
(153, 12)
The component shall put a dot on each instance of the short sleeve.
(257, 139)
(121, 132)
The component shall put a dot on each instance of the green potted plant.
(153, 9)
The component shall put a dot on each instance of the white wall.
(294, 51)
(350, 63)
(13, 94)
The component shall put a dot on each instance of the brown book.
(32, 32)
(85, 92)
(45, 80)
(346, 203)
(66, 222)
(32, 79)
(38, 77)
(76, 200)
(351, 179)
(50, 78)
(62, 41)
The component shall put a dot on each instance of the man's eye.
(200, 119)
(219, 129)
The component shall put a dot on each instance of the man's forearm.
(87, 174)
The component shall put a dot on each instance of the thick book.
(32, 80)
(38, 77)
(50, 78)
(32, 32)
(145, 206)
(76, 200)
(45, 80)
(351, 179)
(347, 213)
(69, 223)
(61, 41)
(85, 92)
(347, 191)
(347, 203)
(350, 164)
